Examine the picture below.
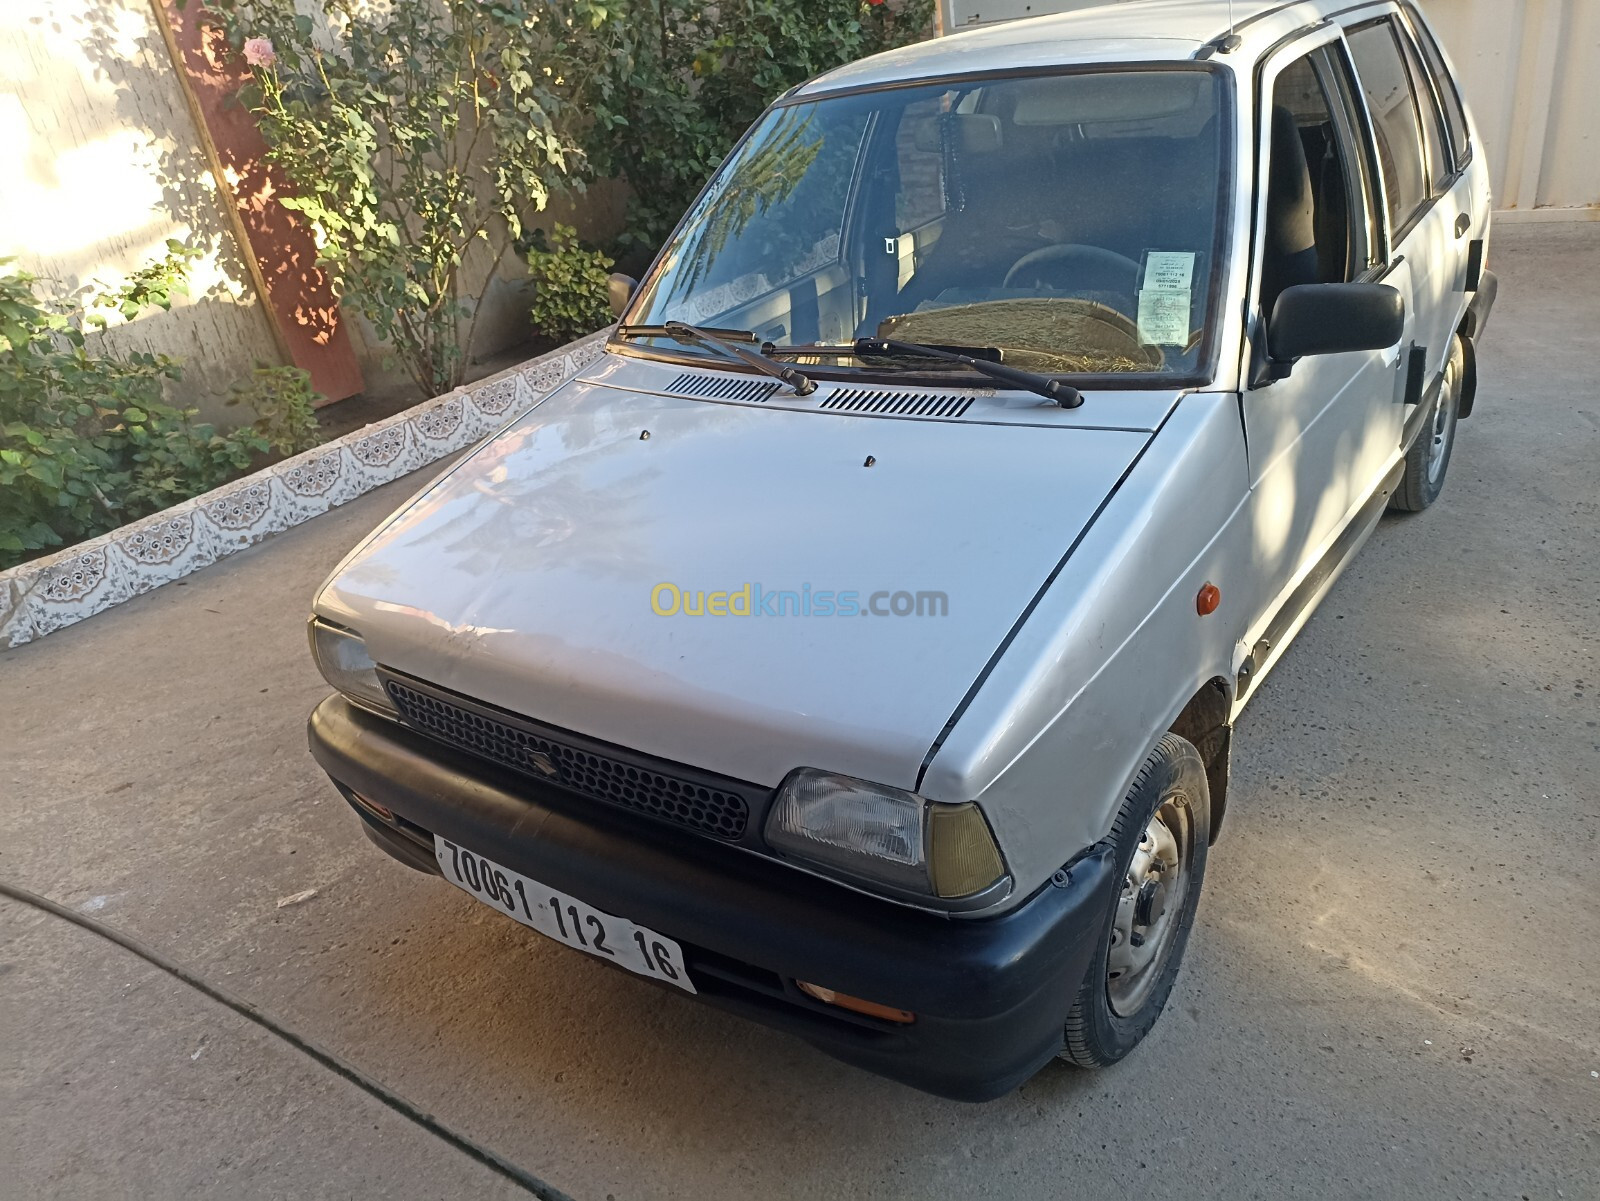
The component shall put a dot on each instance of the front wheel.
(1161, 835)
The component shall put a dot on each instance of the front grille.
(602, 777)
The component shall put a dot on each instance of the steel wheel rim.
(1150, 906)
(1439, 431)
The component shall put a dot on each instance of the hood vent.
(723, 387)
(898, 404)
(741, 389)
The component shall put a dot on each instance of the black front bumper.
(990, 995)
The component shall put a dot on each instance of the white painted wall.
(1531, 71)
(100, 164)
(1530, 68)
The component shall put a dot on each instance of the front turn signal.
(962, 856)
(855, 1004)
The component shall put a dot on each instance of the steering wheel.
(1083, 268)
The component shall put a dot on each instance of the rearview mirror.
(1335, 319)
(620, 289)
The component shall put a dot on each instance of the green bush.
(87, 440)
(411, 131)
(415, 129)
(285, 406)
(570, 297)
(668, 86)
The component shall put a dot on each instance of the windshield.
(1068, 220)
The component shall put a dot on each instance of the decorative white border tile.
(47, 594)
(16, 615)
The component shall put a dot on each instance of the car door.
(1466, 193)
(1428, 221)
(1321, 437)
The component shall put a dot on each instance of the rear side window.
(1395, 120)
(1455, 114)
(1440, 168)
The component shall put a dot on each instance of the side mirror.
(1335, 319)
(622, 287)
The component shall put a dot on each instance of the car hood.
(526, 577)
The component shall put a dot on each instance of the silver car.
(856, 644)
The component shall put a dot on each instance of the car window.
(780, 219)
(919, 190)
(1440, 168)
(1455, 112)
(1356, 155)
(1395, 122)
(1070, 220)
(1316, 228)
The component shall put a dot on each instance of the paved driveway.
(1392, 990)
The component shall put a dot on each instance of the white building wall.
(1531, 71)
(100, 164)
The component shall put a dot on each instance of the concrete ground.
(1391, 990)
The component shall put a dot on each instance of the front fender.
(1111, 651)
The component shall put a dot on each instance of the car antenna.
(1231, 41)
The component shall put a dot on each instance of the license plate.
(563, 918)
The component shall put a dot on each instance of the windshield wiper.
(983, 359)
(661, 331)
(681, 331)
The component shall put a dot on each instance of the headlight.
(343, 661)
(881, 835)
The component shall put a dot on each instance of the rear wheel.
(1161, 836)
(1429, 456)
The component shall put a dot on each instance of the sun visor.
(972, 133)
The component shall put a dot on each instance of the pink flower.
(258, 52)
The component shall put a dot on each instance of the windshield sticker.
(1164, 307)
(1163, 317)
(1169, 270)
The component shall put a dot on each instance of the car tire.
(1166, 819)
(1429, 456)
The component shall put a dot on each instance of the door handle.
(1463, 223)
